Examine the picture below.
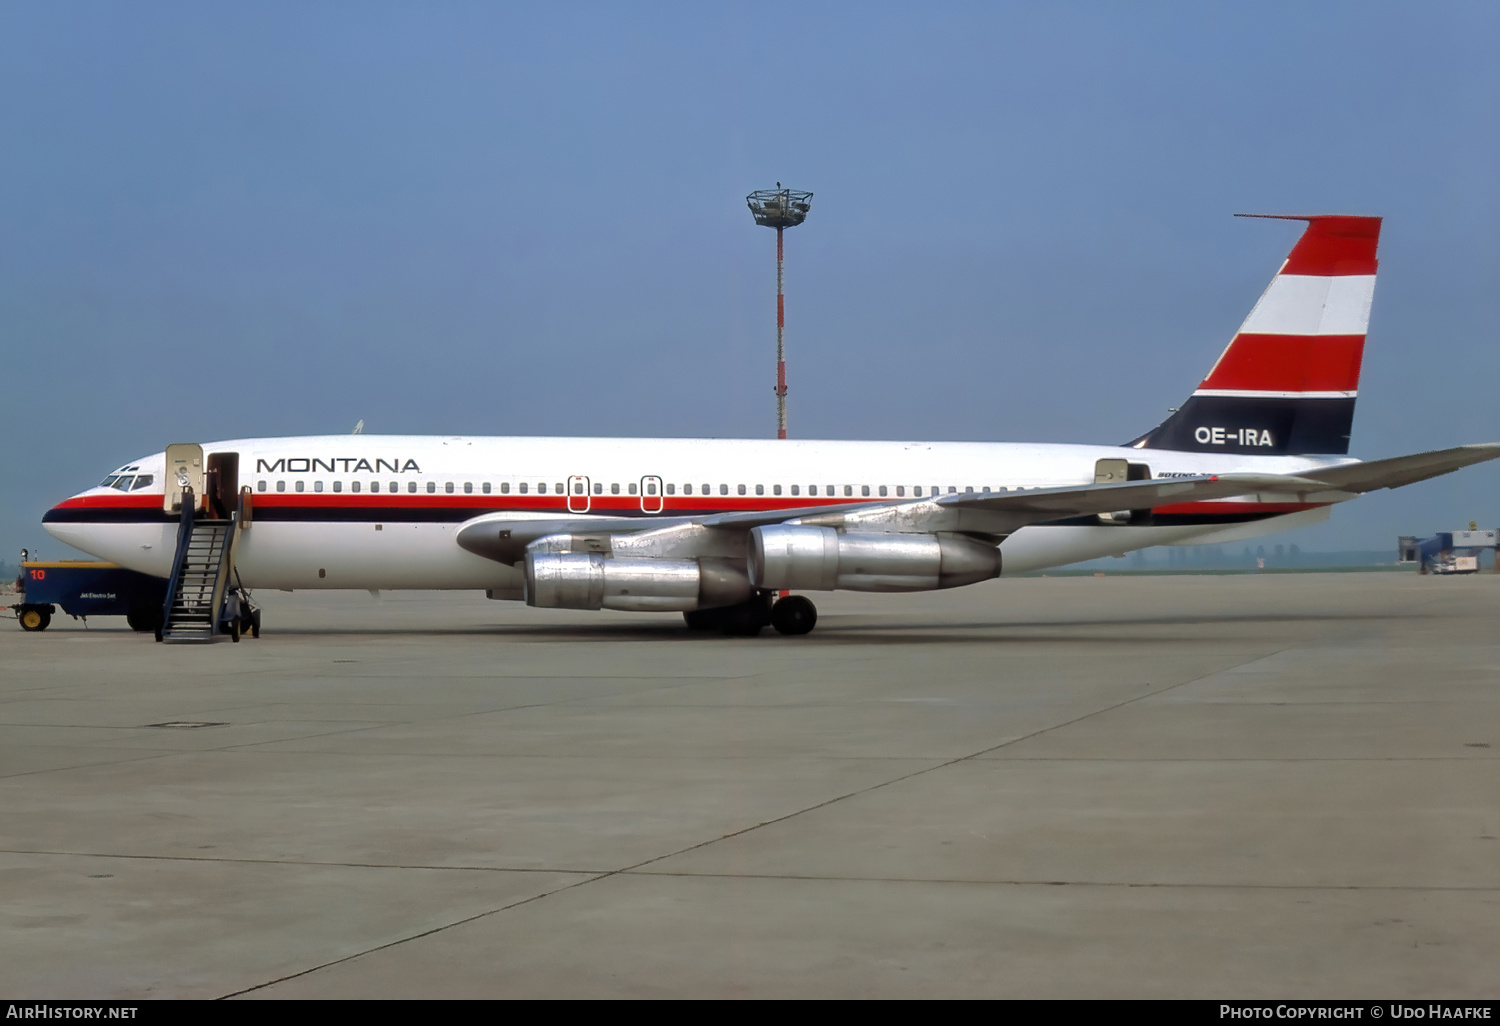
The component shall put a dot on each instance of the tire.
(33, 619)
(704, 619)
(144, 618)
(794, 615)
(234, 630)
(255, 624)
(746, 619)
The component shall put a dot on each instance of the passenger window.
(468, 487)
(338, 486)
(830, 490)
(760, 489)
(411, 488)
(632, 488)
(671, 489)
(541, 488)
(742, 489)
(951, 489)
(524, 486)
(558, 488)
(260, 486)
(395, 487)
(281, 486)
(687, 489)
(917, 491)
(448, 487)
(900, 491)
(776, 489)
(298, 486)
(723, 489)
(707, 490)
(504, 487)
(882, 491)
(317, 486)
(864, 489)
(968, 489)
(431, 487)
(794, 489)
(485, 488)
(354, 486)
(614, 489)
(598, 488)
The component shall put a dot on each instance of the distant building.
(1452, 552)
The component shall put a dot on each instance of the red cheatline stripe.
(1290, 363)
(144, 500)
(602, 504)
(1335, 246)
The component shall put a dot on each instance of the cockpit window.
(109, 481)
(122, 483)
(142, 481)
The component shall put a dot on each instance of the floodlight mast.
(781, 209)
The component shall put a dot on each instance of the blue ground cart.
(84, 588)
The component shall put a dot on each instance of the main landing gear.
(792, 615)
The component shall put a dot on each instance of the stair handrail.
(226, 564)
(184, 535)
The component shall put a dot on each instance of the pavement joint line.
(979, 882)
(638, 867)
(150, 754)
(300, 862)
(416, 936)
(941, 765)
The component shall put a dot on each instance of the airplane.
(731, 533)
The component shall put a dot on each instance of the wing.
(504, 537)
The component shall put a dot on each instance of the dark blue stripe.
(1283, 427)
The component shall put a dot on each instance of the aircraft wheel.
(794, 615)
(234, 630)
(746, 619)
(255, 624)
(703, 619)
(34, 619)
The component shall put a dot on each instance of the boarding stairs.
(201, 569)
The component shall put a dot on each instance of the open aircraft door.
(184, 470)
(651, 496)
(578, 494)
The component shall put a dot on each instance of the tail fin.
(1287, 383)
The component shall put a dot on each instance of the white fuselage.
(382, 512)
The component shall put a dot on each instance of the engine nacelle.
(589, 580)
(821, 559)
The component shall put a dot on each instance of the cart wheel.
(234, 630)
(255, 624)
(144, 618)
(34, 619)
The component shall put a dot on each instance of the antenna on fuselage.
(359, 429)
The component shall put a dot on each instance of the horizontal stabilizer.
(1405, 470)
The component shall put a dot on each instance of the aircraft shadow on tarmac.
(831, 632)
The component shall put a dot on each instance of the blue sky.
(243, 220)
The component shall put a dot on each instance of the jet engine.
(590, 580)
(823, 559)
